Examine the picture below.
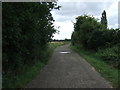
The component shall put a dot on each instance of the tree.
(27, 29)
(104, 20)
(83, 29)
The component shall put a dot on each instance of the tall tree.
(104, 20)
(27, 29)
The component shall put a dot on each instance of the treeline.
(27, 28)
(95, 36)
(56, 40)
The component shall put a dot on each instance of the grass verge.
(110, 74)
(29, 72)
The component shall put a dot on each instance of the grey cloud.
(71, 9)
(114, 20)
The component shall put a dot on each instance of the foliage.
(29, 72)
(94, 35)
(91, 34)
(104, 20)
(84, 29)
(109, 73)
(102, 39)
(27, 28)
(110, 55)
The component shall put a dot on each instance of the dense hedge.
(110, 55)
(89, 32)
(27, 27)
(93, 35)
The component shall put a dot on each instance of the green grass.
(110, 74)
(29, 72)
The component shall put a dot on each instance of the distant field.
(54, 44)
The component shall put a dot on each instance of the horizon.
(65, 17)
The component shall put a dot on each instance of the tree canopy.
(27, 28)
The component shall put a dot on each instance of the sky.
(71, 9)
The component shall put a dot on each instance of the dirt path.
(68, 70)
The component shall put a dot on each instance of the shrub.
(27, 28)
(83, 29)
(110, 55)
(96, 40)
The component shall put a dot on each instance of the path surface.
(68, 70)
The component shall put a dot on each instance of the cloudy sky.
(70, 9)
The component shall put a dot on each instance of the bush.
(102, 38)
(83, 30)
(96, 40)
(110, 55)
(89, 32)
(26, 32)
(27, 28)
